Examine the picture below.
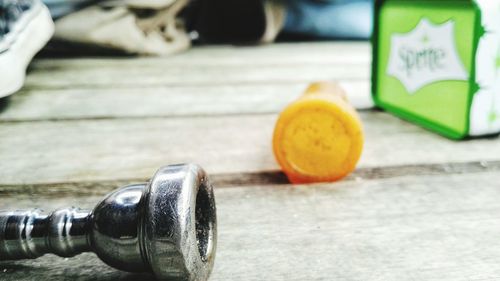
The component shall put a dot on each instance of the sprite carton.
(437, 63)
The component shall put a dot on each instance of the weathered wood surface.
(90, 150)
(419, 206)
(145, 75)
(164, 101)
(284, 63)
(212, 79)
(310, 53)
(406, 228)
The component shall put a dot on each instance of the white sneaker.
(25, 27)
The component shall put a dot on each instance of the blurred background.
(159, 27)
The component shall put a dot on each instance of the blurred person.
(329, 19)
(60, 8)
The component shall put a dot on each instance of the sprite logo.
(426, 59)
(425, 55)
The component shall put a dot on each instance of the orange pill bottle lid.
(319, 137)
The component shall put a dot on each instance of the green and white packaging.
(437, 63)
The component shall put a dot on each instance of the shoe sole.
(37, 31)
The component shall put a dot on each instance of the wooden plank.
(163, 101)
(408, 228)
(117, 149)
(132, 73)
(203, 81)
(283, 63)
(317, 53)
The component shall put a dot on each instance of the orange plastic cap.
(319, 137)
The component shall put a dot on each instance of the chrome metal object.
(167, 227)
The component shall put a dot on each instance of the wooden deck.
(419, 206)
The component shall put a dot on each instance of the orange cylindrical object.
(318, 137)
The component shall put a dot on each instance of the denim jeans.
(59, 8)
(349, 19)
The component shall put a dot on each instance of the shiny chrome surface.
(180, 226)
(114, 229)
(167, 226)
(30, 234)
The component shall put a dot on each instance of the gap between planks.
(264, 178)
